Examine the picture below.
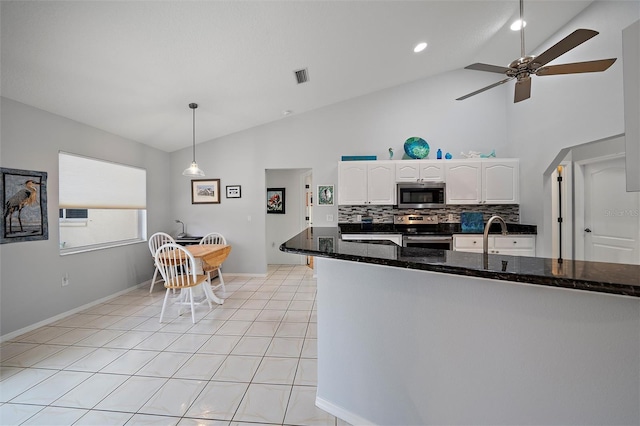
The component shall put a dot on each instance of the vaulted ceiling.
(132, 67)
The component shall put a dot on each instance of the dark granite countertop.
(612, 278)
(442, 228)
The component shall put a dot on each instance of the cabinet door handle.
(515, 242)
(587, 230)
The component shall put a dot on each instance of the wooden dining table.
(213, 255)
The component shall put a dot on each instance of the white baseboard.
(341, 413)
(58, 317)
(239, 274)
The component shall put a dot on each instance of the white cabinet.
(464, 181)
(366, 182)
(420, 170)
(471, 243)
(468, 181)
(513, 245)
(483, 181)
(500, 181)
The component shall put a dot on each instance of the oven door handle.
(424, 238)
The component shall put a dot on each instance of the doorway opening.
(295, 216)
(591, 216)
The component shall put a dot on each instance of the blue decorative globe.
(416, 147)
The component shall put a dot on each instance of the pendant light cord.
(193, 106)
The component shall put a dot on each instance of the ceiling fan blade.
(488, 68)
(491, 86)
(577, 67)
(523, 90)
(574, 39)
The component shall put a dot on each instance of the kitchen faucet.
(485, 237)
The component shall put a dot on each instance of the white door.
(611, 215)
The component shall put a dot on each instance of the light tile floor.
(249, 361)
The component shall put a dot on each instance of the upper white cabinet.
(482, 181)
(468, 181)
(420, 170)
(500, 181)
(464, 181)
(367, 182)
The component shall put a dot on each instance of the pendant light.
(193, 170)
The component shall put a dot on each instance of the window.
(102, 204)
(70, 214)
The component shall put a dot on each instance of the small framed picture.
(276, 200)
(233, 191)
(325, 195)
(205, 191)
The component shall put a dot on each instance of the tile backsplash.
(384, 214)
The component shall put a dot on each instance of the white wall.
(456, 350)
(569, 110)
(31, 272)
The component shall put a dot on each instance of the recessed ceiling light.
(420, 47)
(516, 25)
(286, 112)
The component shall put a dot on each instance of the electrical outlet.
(358, 218)
(65, 280)
(450, 217)
(329, 218)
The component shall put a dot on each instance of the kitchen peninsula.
(420, 336)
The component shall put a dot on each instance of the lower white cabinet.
(512, 245)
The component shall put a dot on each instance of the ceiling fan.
(521, 69)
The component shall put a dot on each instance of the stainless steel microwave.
(421, 195)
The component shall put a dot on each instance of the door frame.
(579, 211)
(567, 210)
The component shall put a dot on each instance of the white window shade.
(94, 184)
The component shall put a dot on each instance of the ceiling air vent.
(302, 76)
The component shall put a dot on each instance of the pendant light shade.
(193, 170)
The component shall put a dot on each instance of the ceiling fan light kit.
(527, 65)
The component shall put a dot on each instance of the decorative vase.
(416, 148)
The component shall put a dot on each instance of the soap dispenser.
(439, 154)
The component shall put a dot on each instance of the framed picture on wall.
(205, 191)
(233, 191)
(325, 195)
(23, 194)
(276, 200)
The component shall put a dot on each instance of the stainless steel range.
(422, 231)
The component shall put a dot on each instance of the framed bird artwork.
(23, 194)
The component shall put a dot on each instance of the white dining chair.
(214, 238)
(155, 241)
(179, 270)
